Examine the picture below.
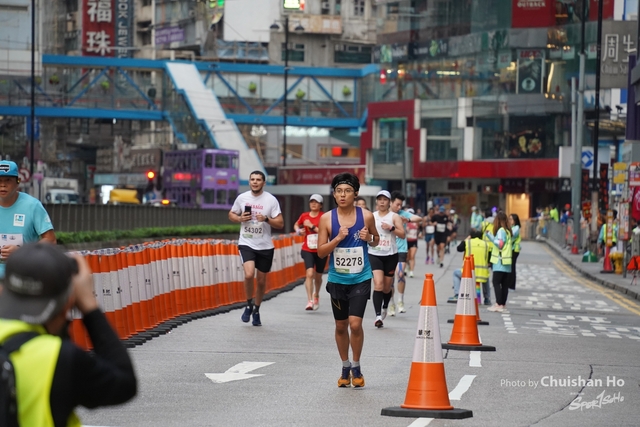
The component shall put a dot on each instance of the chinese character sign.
(98, 29)
(618, 42)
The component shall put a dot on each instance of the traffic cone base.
(462, 347)
(451, 414)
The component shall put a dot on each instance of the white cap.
(473, 208)
(452, 211)
(384, 193)
(318, 198)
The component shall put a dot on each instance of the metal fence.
(71, 217)
(562, 234)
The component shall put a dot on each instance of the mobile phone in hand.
(247, 209)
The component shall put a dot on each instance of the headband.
(345, 182)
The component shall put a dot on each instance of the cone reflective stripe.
(427, 394)
(464, 335)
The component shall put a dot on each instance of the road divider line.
(475, 359)
(462, 387)
(421, 422)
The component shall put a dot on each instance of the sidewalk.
(591, 270)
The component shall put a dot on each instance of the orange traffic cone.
(574, 247)
(427, 395)
(606, 266)
(464, 335)
(478, 294)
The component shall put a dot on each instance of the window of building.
(296, 52)
(358, 7)
(325, 7)
(338, 7)
(441, 143)
(352, 54)
(146, 2)
(391, 142)
(145, 38)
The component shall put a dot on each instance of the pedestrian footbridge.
(196, 98)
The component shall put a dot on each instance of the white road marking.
(238, 372)
(474, 359)
(455, 394)
(462, 387)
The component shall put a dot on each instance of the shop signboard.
(530, 71)
(533, 13)
(98, 28)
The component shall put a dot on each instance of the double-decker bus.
(204, 178)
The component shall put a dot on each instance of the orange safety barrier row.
(145, 290)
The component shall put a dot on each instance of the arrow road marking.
(238, 372)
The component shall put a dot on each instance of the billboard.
(98, 27)
(533, 13)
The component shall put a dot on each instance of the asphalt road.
(560, 332)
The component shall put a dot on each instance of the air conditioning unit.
(325, 5)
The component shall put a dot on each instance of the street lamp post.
(299, 29)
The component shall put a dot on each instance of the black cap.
(37, 283)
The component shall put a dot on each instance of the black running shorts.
(262, 258)
(385, 263)
(312, 260)
(349, 300)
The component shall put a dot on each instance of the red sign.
(317, 175)
(607, 10)
(533, 13)
(98, 29)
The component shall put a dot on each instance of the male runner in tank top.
(345, 234)
(384, 257)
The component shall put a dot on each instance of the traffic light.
(383, 77)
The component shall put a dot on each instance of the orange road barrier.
(116, 291)
(427, 395)
(464, 335)
(131, 276)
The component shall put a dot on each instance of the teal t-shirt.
(26, 220)
(402, 243)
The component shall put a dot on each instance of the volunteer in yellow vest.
(53, 376)
(514, 223)
(501, 253)
(602, 237)
(487, 225)
(476, 246)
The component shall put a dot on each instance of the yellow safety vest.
(34, 364)
(503, 255)
(614, 235)
(485, 226)
(480, 251)
(516, 243)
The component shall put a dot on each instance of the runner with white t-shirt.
(384, 257)
(257, 212)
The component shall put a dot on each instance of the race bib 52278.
(348, 260)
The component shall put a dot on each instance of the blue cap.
(442, 209)
(8, 168)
